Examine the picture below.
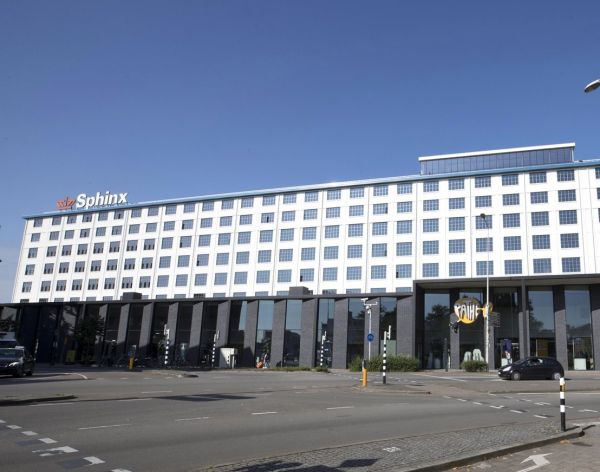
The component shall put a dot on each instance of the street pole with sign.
(486, 309)
(368, 307)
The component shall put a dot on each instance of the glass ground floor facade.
(537, 316)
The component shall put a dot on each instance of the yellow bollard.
(131, 363)
(364, 377)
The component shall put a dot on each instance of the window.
(484, 244)
(77, 284)
(329, 273)
(378, 272)
(456, 184)
(37, 222)
(244, 237)
(431, 247)
(380, 190)
(354, 273)
(48, 268)
(168, 226)
(201, 260)
(29, 269)
(480, 267)
(264, 255)
(267, 218)
(103, 215)
(456, 223)
(513, 267)
(597, 172)
(484, 181)
(225, 205)
(431, 205)
(224, 239)
(221, 278)
(129, 264)
(148, 244)
(66, 250)
(431, 186)
(189, 207)
(242, 257)
(247, 219)
(204, 240)
(511, 179)
(266, 236)
(147, 263)
(456, 246)
(512, 243)
(111, 264)
(286, 255)
(109, 283)
(456, 269)
(569, 240)
(540, 218)
(483, 201)
(333, 212)
(131, 245)
(51, 250)
(379, 229)
(268, 200)
(116, 230)
(380, 209)
(80, 266)
(571, 264)
(306, 254)
(537, 178)
(166, 243)
(284, 276)
(357, 192)
(332, 232)
(311, 196)
(225, 221)
(431, 225)
(93, 284)
(71, 219)
(379, 250)
(511, 220)
(286, 234)
(538, 197)
(430, 269)
(145, 282)
(187, 224)
(310, 214)
(289, 198)
(135, 229)
(200, 279)
(542, 266)
(162, 281)
(240, 278)
(354, 251)
(247, 202)
(404, 188)
(83, 248)
(330, 252)
(26, 287)
(152, 211)
(151, 227)
(456, 203)
(404, 227)
(54, 236)
(118, 214)
(288, 216)
(56, 220)
(565, 175)
(96, 266)
(307, 275)
(403, 271)
(567, 217)
(334, 194)
(355, 230)
(164, 262)
(540, 241)
(263, 276)
(356, 210)
(183, 261)
(45, 287)
(68, 235)
(567, 196)
(509, 199)
(181, 280)
(404, 207)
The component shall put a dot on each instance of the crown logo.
(65, 204)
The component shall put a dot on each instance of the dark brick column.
(340, 334)
(405, 326)
(195, 331)
(223, 312)
(595, 307)
(454, 337)
(524, 341)
(308, 334)
(122, 335)
(145, 331)
(560, 325)
(278, 333)
(100, 343)
(250, 334)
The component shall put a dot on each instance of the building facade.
(526, 217)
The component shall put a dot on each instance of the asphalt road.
(158, 421)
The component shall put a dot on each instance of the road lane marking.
(588, 411)
(446, 396)
(517, 411)
(339, 407)
(93, 460)
(440, 377)
(47, 440)
(55, 451)
(120, 470)
(123, 378)
(543, 416)
(567, 406)
(192, 419)
(461, 400)
(265, 413)
(133, 399)
(159, 391)
(497, 407)
(2, 421)
(52, 403)
(477, 403)
(13, 426)
(29, 433)
(104, 426)
(542, 403)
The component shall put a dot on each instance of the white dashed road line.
(517, 411)
(542, 403)
(29, 433)
(159, 391)
(104, 426)
(461, 400)
(47, 440)
(93, 460)
(55, 451)
(192, 419)
(265, 413)
(497, 407)
(13, 426)
(477, 403)
(339, 407)
(588, 411)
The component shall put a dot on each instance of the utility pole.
(368, 307)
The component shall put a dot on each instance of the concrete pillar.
(278, 333)
(308, 336)
(145, 331)
(454, 337)
(248, 357)
(122, 334)
(223, 311)
(195, 331)
(595, 307)
(524, 341)
(560, 325)
(405, 326)
(340, 334)
(100, 342)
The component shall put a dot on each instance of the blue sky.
(167, 99)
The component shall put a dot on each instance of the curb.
(26, 401)
(467, 459)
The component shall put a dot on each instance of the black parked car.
(533, 368)
(16, 361)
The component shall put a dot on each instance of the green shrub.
(474, 366)
(393, 364)
(355, 364)
(290, 369)
(322, 369)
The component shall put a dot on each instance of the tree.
(86, 333)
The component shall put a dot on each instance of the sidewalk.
(441, 451)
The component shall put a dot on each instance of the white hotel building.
(532, 212)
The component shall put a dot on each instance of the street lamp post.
(368, 307)
(486, 325)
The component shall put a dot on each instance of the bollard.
(563, 420)
(131, 363)
(385, 336)
(364, 374)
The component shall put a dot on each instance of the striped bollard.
(322, 348)
(167, 353)
(214, 350)
(385, 336)
(563, 420)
